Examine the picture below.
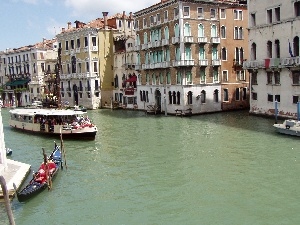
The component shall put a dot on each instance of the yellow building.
(87, 62)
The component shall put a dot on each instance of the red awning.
(131, 79)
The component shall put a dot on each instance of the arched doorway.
(75, 93)
(157, 96)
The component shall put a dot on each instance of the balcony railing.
(215, 40)
(164, 42)
(166, 64)
(203, 62)
(216, 62)
(188, 39)
(186, 62)
(144, 46)
(202, 39)
(175, 40)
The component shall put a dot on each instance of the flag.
(290, 50)
(267, 63)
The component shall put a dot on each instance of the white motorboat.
(69, 123)
(290, 127)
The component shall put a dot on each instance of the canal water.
(225, 168)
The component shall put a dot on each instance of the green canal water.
(224, 168)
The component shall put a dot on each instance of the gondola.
(40, 180)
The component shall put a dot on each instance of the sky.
(26, 22)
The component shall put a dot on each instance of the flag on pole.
(290, 50)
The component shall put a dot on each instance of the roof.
(46, 112)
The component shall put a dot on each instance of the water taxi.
(69, 123)
(290, 127)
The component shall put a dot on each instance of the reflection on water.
(224, 168)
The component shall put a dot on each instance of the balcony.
(145, 66)
(290, 61)
(188, 39)
(94, 48)
(186, 62)
(86, 49)
(166, 64)
(137, 67)
(72, 51)
(216, 62)
(202, 39)
(66, 52)
(68, 89)
(215, 40)
(144, 46)
(77, 50)
(149, 44)
(164, 42)
(137, 47)
(87, 88)
(156, 44)
(175, 40)
(203, 62)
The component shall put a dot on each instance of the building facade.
(179, 47)
(274, 62)
(125, 70)
(23, 72)
(87, 61)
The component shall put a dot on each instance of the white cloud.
(91, 9)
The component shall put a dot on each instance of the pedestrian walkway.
(16, 172)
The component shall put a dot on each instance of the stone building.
(180, 56)
(22, 72)
(125, 70)
(274, 61)
(87, 61)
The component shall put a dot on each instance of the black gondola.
(41, 180)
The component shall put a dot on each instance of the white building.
(23, 70)
(274, 61)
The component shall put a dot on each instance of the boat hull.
(69, 123)
(34, 187)
(288, 127)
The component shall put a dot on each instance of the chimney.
(69, 25)
(124, 14)
(162, 1)
(105, 19)
(63, 29)
(130, 15)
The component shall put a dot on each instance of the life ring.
(287, 127)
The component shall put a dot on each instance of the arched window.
(216, 95)
(170, 97)
(253, 51)
(147, 78)
(176, 30)
(214, 31)
(187, 29)
(141, 96)
(178, 98)
(116, 81)
(153, 78)
(203, 96)
(174, 97)
(224, 54)
(138, 42)
(200, 30)
(168, 78)
(277, 48)
(295, 46)
(269, 49)
(190, 98)
(145, 38)
(167, 33)
(223, 32)
(73, 64)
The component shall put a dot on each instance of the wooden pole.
(7, 201)
(63, 148)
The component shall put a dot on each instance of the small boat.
(8, 151)
(289, 127)
(71, 123)
(42, 179)
(78, 108)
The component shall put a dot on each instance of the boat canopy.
(46, 112)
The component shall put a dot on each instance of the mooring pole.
(7, 201)
(276, 111)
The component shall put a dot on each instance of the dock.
(16, 172)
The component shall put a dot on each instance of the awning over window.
(131, 79)
(17, 82)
